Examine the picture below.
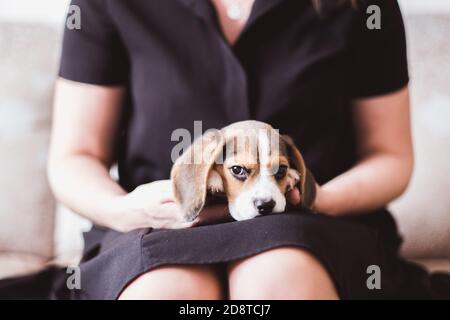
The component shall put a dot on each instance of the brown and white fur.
(247, 161)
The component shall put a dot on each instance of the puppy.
(249, 163)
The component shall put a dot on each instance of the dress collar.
(236, 83)
(205, 10)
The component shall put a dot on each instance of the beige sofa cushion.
(69, 243)
(28, 55)
(423, 213)
(17, 264)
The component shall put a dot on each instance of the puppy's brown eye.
(281, 173)
(239, 172)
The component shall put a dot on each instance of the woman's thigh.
(281, 273)
(175, 282)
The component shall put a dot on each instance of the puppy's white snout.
(265, 205)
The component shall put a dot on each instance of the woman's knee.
(281, 273)
(175, 282)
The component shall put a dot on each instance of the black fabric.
(292, 67)
(378, 59)
(36, 286)
(345, 247)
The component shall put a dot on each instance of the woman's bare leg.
(282, 273)
(175, 282)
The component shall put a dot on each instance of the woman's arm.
(85, 123)
(385, 158)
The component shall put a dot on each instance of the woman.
(138, 70)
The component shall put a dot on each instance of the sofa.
(35, 231)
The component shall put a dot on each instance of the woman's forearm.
(384, 145)
(83, 184)
(85, 123)
(369, 185)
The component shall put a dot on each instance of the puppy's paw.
(215, 183)
(293, 177)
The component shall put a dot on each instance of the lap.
(281, 273)
(287, 272)
(344, 249)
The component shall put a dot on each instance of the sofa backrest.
(423, 212)
(28, 59)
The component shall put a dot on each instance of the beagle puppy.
(249, 163)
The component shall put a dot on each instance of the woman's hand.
(150, 206)
(294, 197)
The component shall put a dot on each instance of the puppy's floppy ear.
(307, 183)
(191, 170)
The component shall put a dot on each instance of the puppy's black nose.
(264, 206)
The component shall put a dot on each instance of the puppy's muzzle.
(264, 206)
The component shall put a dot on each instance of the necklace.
(235, 9)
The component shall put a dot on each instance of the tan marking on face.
(261, 163)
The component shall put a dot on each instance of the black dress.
(293, 67)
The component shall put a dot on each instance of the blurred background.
(35, 231)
